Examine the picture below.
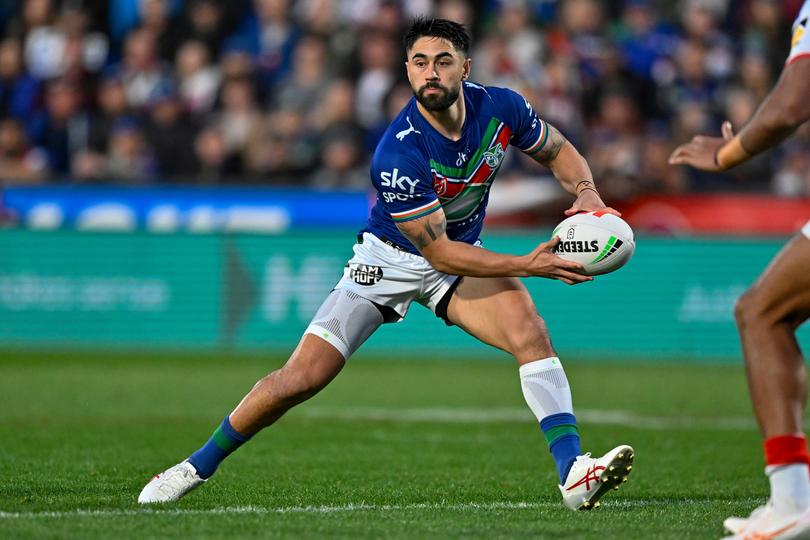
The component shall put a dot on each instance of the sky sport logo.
(363, 274)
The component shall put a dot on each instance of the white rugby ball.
(599, 241)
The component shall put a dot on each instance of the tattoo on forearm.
(553, 145)
(585, 185)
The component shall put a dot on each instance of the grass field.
(394, 449)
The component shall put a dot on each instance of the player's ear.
(467, 66)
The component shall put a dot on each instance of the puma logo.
(405, 132)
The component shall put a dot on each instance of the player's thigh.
(782, 292)
(500, 312)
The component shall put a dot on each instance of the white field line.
(521, 415)
(358, 507)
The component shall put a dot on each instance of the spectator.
(304, 88)
(169, 129)
(157, 17)
(215, 164)
(645, 43)
(209, 22)
(615, 143)
(19, 91)
(240, 114)
(343, 164)
(19, 162)
(199, 80)
(112, 105)
(381, 65)
(129, 159)
(62, 129)
(270, 35)
(141, 68)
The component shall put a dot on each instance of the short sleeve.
(404, 186)
(529, 131)
(800, 38)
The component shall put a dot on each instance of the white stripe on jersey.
(800, 38)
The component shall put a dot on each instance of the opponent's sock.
(787, 470)
(222, 443)
(546, 390)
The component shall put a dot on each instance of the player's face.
(435, 71)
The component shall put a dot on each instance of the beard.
(439, 101)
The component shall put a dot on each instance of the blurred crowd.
(297, 92)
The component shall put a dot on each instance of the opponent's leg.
(767, 317)
(342, 324)
(500, 312)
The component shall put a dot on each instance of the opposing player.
(771, 310)
(432, 170)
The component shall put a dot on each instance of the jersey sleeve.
(800, 39)
(529, 131)
(404, 185)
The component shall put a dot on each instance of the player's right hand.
(543, 262)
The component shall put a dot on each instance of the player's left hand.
(701, 151)
(590, 201)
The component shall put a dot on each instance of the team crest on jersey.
(494, 155)
(439, 184)
(798, 34)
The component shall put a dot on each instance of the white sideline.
(496, 415)
(359, 507)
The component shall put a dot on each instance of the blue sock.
(563, 440)
(221, 444)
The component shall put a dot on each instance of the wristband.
(587, 188)
(730, 154)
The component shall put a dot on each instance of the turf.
(393, 448)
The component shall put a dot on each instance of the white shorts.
(806, 229)
(394, 278)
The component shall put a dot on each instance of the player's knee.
(751, 308)
(744, 309)
(301, 384)
(288, 386)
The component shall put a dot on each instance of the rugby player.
(432, 171)
(771, 310)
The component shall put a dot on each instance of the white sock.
(545, 387)
(790, 487)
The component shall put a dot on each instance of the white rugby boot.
(590, 478)
(766, 523)
(735, 525)
(171, 484)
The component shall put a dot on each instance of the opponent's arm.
(429, 236)
(571, 171)
(783, 110)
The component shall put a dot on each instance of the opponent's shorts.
(393, 278)
(806, 229)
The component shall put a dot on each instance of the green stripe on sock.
(560, 431)
(222, 441)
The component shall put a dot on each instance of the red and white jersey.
(800, 42)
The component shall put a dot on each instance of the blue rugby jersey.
(416, 170)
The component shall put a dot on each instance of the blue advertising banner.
(194, 209)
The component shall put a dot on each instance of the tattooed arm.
(571, 171)
(567, 165)
(428, 235)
